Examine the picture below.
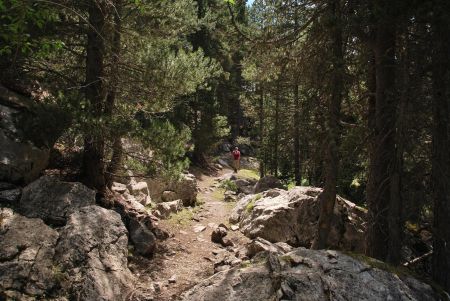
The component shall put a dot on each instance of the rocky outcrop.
(53, 201)
(26, 256)
(291, 216)
(92, 251)
(26, 137)
(85, 260)
(309, 275)
(266, 183)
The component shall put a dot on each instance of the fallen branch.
(418, 259)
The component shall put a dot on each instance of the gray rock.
(92, 250)
(234, 227)
(291, 217)
(25, 137)
(53, 200)
(10, 196)
(138, 188)
(308, 275)
(223, 162)
(142, 237)
(218, 234)
(173, 279)
(245, 186)
(185, 188)
(229, 196)
(259, 245)
(119, 187)
(165, 209)
(169, 196)
(26, 254)
(199, 228)
(266, 183)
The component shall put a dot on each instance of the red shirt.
(236, 154)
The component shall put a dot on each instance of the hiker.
(236, 159)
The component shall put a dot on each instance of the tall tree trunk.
(93, 157)
(383, 156)
(328, 196)
(276, 131)
(440, 175)
(297, 162)
(117, 149)
(395, 215)
(116, 161)
(262, 147)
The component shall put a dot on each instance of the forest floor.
(188, 255)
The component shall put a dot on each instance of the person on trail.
(236, 159)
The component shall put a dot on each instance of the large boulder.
(245, 185)
(53, 201)
(92, 251)
(184, 189)
(27, 133)
(26, 257)
(165, 209)
(309, 275)
(266, 183)
(84, 260)
(291, 217)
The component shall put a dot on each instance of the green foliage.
(240, 140)
(229, 185)
(22, 23)
(184, 216)
(251, 204)
(248, 174)
(220, 127)
(168, 146)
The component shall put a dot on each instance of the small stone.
(212, 225)
(199, 228)
(331, 254)
(216, 251)
(183, 232)
(226, 242)
(173, 279)
(119, 187)
(234, 227)
(221, 268)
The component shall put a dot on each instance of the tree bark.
(116, 161)
(440, 175)
(117, 149)
(297, 159)
(328, 196)
(383, 154)
(93, 157)
(262, 147)
(276, 131)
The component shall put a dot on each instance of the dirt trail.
(187, 256)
